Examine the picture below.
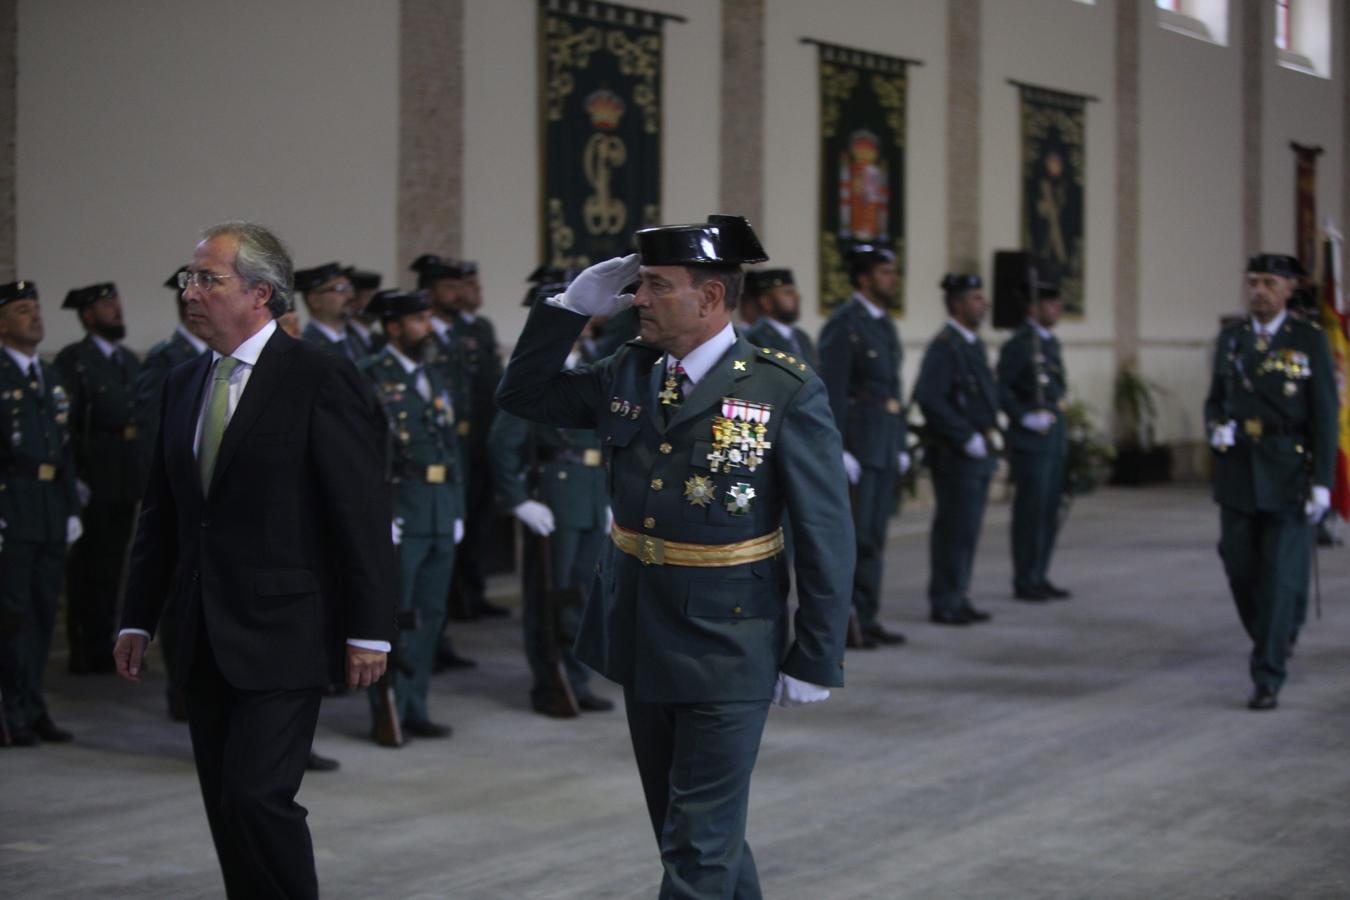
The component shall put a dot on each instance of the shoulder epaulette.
(784, 361)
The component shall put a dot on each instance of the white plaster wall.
(141, 122)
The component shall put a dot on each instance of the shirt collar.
(781, 328)
(1271, 327)
(703, 357)
(873, 310)
(334, 336)
(441, 326)
(197, 343)
(970, 336)
(249, 351)
(362, 330)
(408, 365)
(468, 317)
(1040, 329)
(22, 361)
(107, 348)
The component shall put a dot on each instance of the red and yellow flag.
(1336, 324)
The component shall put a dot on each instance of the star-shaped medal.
(699, 490)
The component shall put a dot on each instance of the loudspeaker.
(1014, 274)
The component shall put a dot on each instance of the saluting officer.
(708, 440)
(552, 481)
(1032, 392)
(38, 512)
(860, 359)
(362, 321)
(774, 293)
(427, 474)
(1272, 413)
(101, 377)
(956, 393)
(328, 300)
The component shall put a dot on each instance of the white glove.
(73, 530)
(459, 531)
(1041, 421)
(396, 532)
(852, 468)
(975, 447)
(1318, 504)
(904, 462)
(789, 691)
(83, 493)
(595, 292)
(609, 520)
(535, 516)
(1223, 435)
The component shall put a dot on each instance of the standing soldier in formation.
(956, 393)
(1272, 413)
(328, 296)
(427, 477)
(362, 321)
(101, 377)
(39, 513)
(774, 293)
(860, 358)
(552, 481)
(1032, 393)
(708, 441)
(180, 347)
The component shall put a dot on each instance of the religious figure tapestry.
(1054, 150)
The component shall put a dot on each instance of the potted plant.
(1139, 460)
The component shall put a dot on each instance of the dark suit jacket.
(288, 553)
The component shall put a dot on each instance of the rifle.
(388, 727)
(854, 635)
(562, 701)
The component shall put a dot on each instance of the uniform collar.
(784, 330)
(703, 357)
(970, 336)
(335, 336)
(873, 310)
(22, 361)
(249, 351)
(441, 326)
(1040, 329)
(408, 365)
(468, 318)
(197, 343)
(107, 348)
(1273, 326)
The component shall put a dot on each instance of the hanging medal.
(738, 435)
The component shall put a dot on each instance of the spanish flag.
(1336, 324)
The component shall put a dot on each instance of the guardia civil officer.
(101, 376)
(956, 393)
(328, 297)
(774, 293)
(39, 513)
(426, 473)
(1032, 393)
(361, 324)
(1272, 415)
(860, 359)
(708, 440)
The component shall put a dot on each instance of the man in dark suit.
(774, 292)
(264, 544)
(707, 441)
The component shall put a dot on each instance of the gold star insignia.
(766, 350)
(780, 355)
(738, 365)
(699, 490)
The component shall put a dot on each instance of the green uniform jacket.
(482, 365)
(569, 479)
(1290, 390)
(421, 436)
(763, 334)
(35, 431)
(444, 354)
(1027, 385)
(162, 359)
(677, 634)
(860, 358)
(956, 392)
(103, 421)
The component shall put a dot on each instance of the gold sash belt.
(654, 551)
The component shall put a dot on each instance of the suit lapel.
(263, 382)
(180, 424)
(718, 383)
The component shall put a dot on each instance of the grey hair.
(262, 258)
(732, 279)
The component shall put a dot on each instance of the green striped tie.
(213, 428)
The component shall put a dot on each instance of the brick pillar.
(963, 135)
(8, 121)
(431, 129)
(1127, 183)
(741, 188)
(1252, 17)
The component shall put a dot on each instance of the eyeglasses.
(203, 280)
(341, 287)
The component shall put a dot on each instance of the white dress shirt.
(781, 328)
(23, 362)
(703, 357)
(107, 348)
(970, 336)
(1271, 327)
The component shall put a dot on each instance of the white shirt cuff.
(382, 646)
(141, 631)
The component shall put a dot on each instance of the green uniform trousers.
(1266, 557)
(873, 501)
(572, 557)
(1039, 480)
(957, 519)
(424, 568)
(695, 761)
(30, 587)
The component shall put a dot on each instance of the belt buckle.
(1254, 428)
(129, 433)
(46, 472)
(651, 550)
(436, 474)
(893, 406)
(591, 457)
(463, 427)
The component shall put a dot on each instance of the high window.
(1303, 35)
(1203, 19)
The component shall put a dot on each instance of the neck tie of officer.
(35, 377)
(213, 427)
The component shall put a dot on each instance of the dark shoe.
(592, 703)
(1031, 595)
(319, 763)
(975, 615)
(1055, 593)
(1262, 698)
(23, 737)
(452, 660)
(427, 729)
(881, 636)
(949, 617)
(46, 729)
(491, 610)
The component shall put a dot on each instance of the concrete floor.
(1098, 748)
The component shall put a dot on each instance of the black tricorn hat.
(362, 279)
(1276, 264)
(392, 303)
(721, 241)
(307, 280)
(761, 281)
(863, 257)
(954, 282)
(172, 281)
(18, 290)
(79, 298)
(546, 281)
(430, 267)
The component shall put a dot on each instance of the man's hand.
(975, 447)
(1040, 421)
(73, 530)
(1318, 504)
(364, 667)
(396, 532)
(129, 654)
(904, 460)
(1223, 436)
(852, 468)
(791, 691)
(595, 292)
(535, 516)
(459, 531)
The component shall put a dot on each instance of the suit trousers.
(1038, 477)
(572, 557)
(1266, 556)
(955, 534)
(94, 582)
(695, 762)
(251, 748)
(425, 565)
(873, 499)
(30, 588)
